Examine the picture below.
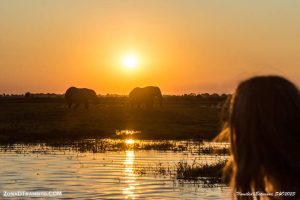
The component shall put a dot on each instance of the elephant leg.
(86, 104)
(76, 105)
(149, 104)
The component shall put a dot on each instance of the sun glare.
(130, 61)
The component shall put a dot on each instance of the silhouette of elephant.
(79, 96)
(147, 95)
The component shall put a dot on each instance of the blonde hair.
(263, 126)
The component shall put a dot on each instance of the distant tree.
(205, 95)
(224, 95)
(28, 95)
(214, 96)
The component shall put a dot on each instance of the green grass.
(46, 119)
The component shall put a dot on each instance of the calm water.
(105, 175)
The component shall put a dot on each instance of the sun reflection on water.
(130, 179)
(129, 141)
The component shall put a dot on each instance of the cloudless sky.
(182, 46)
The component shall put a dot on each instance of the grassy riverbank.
(44, 119)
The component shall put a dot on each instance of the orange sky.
(182, 46)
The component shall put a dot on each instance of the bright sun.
(130, 61)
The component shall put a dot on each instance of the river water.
(119, 174)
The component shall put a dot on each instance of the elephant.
(79, 96)
(146, 96)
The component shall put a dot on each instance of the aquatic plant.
(102, 145)
(213, 150)
(195, 170)
(208, 175)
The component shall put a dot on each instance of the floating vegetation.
(103, 145)
(209, 175)
(213, 150)
(193, 171)
(157, 170)
(126, 132)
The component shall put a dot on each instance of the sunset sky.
(182, 46)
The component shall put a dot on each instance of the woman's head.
(264, 127)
